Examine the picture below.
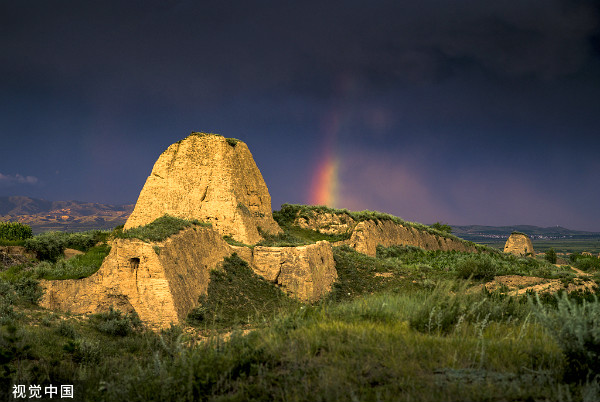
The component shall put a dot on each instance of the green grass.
(80, 266)
(293, 236)
(237, 296)
(5, 242)
(365, 349)
(401, 326)
(158, 230)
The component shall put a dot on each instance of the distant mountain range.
(478, 233)
(72, 216)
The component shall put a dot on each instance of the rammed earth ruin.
(213, 179)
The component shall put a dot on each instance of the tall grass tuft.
(576, 328)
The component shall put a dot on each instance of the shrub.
(83, 241)
(445, 308)
(47, 246)
(65, 329)
(114, 322)
(84, 351)
(80, 266)
(587, 263)
(477, 267)
(442, 227)
(576, 328)
(28, 290)
(15, 231)
(551, 256)
(232, 141)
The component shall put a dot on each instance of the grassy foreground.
(400, 327)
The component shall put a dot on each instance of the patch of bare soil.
(515, 285)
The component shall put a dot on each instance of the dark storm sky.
(467, 112)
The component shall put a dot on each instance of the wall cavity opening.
(134, 263)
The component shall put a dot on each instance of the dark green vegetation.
(50, 262)
(406, 325)
(293, 236)
(80, 266)
(51, 245)
(585, 262)
(551, 256)
(237, 296)
(158, 230)
(289, 212)
(14, 231)
(442, 227)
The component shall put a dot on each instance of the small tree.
(442, 227)
(551, 256)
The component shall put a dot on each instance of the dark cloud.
(96, 90)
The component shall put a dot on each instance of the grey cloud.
(7, 180)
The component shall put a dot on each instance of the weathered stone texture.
(306, 272)
(519, 244)
(160, 281)
(209, 178)
(367, 235)
(327, 222)
(14, 255)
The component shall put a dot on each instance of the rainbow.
(325, 181)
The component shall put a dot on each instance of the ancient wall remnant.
(212, 179)
(519, 244)
(306, 272)
(160, 281)
(367, 234)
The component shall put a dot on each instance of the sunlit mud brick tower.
(519, 244)
(214, 180)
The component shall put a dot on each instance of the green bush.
(15, 231)
(84, 351)
(442, 227)
(576, 328)
(66, 329)
(551, 256)
(83, 241)
(47, 246)
(480, 267)
(586, 262)
(28, 290)
(114, 322)
(22, 290)
(80, 266)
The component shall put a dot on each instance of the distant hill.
(478, 232)
(43, 215)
